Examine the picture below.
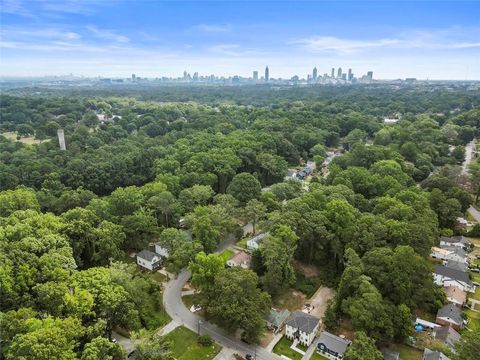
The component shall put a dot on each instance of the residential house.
(456, 296)
(149, 260)
(459, 241)
(302, 327)
(254, 243)
(241, 259)
(447, 335)
(445, 276)
(433, 355)
(332, 346)
(452, 264)
(454, 253)
(450, 315)
(276, 319)
(461, 223)
(390, 355)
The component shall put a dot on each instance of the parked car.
(249, 357)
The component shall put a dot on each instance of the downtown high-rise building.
(255, 75)
(339, 73)
(314, 73)
(267, 74)
(333, 73)
(370, 75)
(350, 75)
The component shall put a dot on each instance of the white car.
(195, 308)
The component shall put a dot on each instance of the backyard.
(186, 347)
(226, 255)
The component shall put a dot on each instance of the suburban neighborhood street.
(180, 314)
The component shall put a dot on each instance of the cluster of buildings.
(452, 275)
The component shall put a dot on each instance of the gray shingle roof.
(302, 321)
(434, 355)
(451, 311)
(456, 239)
(456, 265)
(452, 273)
(278, 317)
(333, 342)
(457, 250)
(147, 255)
(446, 334)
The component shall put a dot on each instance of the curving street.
(174, 306)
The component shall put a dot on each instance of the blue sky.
(436, 40)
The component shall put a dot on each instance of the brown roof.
(455, 293)
(241, 258)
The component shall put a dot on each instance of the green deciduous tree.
(363, 348)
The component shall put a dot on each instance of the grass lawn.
(317, 356)
(226, 255)
(186, 347)
(30, 140)
(474, 319)
(407, 352)
(242, 243)
(158, 277)
(190, 300)
(283, 348)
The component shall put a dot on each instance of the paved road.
(475, 213)
(468, 156)
(179, 313)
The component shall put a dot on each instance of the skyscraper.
(314, 73)
(339, 73)
(134, 77)
(350, 75)
(267, 74)
(333, 73)
(255, 75)
(370, 75)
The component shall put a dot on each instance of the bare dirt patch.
(290, 299)
(308, 270)
(266, 339)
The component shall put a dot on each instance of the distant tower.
(350, 75)
(339, 73)
(195, 76)
(314, 73)
(134, 77)
(61, 139)
(255, 76)
(333, 73)
(267, 74)
(370, 75)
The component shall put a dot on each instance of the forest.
(139, 163)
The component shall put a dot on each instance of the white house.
(454, 253)
(445, 276)
(302, 327)
(254, 243)
(332, 346)
(149, 260)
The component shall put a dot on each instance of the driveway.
(180, 314)
(320, 301)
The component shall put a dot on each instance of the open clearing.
(186, 347)
(30, 140)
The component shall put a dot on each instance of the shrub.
(205, 340)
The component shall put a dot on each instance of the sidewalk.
(172, 325)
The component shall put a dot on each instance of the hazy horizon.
(434, 40)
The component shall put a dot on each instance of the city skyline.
(117, 38)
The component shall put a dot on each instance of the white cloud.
(213, 28)
(442, 39)
(107, 34)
